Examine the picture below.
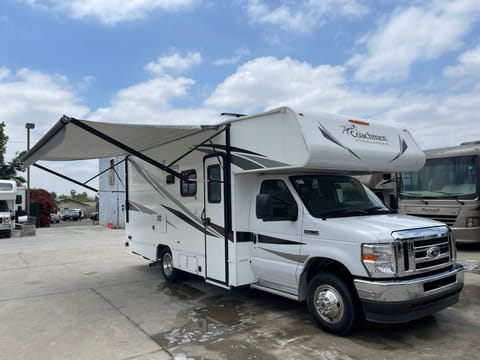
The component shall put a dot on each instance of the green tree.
(9, 170)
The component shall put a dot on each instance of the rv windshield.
(327, 196)
(3, 206)
(447, 178)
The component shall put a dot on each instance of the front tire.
(169, 273)
(333, 304)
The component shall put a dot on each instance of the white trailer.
(269, 201)
(8, 194)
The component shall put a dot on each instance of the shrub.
(46, 204)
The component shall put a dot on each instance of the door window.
(214, 184)
(283, 203)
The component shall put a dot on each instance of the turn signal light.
(369, 257)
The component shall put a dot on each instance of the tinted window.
(214, 184)
(283, 202)
(188, 184)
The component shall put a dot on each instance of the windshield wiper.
(342, 212)
(418, 196)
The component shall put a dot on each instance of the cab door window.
(283, 204)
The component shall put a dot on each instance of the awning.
(72, 139)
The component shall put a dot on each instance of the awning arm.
(122, 146)
(65, 177)
(104, 171)
(195, 147)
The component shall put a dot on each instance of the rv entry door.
(214, 219)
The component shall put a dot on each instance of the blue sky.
(413, 64)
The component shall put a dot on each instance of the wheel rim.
(329, 304)
(167, 264)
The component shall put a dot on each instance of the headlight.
(472, 221)
(379, 259)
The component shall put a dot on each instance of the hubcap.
(167, 264)
(329, 304)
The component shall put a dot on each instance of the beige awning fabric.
(72, 139)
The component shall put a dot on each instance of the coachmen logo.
(352, 131)
(433, 252)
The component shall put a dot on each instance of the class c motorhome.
(270, 201)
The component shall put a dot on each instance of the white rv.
(269, 201)
(8, 194)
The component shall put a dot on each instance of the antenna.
(232, 114)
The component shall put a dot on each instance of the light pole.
(28, 126)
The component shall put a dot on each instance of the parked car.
(70, 214)
(54, 218)
(94, 216)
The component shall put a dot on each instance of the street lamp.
(28, 126)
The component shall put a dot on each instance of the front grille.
(446, 219)
(428, 251)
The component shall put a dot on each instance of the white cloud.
(468, 65)
(302, 17)
(174, 62)
(235, 59)
(110, 11)
(268, 82)
(32, 96)
(144, 102)
(413, 34)
(4, 72)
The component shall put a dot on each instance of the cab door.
(275, 252)
(216, 239)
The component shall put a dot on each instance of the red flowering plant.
(46, 203)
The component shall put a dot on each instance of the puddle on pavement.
(208, 322)
(471, 266)
(182, 291)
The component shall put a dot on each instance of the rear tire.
(333, 304)
(169, 273)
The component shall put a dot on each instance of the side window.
(214, 186)
(283, 203)
(188, 184)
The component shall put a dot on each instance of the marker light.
(359, 122)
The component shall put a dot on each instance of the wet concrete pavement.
(76, 293)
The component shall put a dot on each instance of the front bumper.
(467, 235)
(396, 301)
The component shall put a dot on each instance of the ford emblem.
(433, 252)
